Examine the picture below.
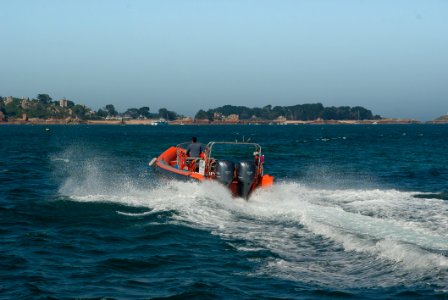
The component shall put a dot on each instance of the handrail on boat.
(180, 150)
(257, 148)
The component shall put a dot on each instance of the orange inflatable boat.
(239, 166)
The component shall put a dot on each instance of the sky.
(390, 56)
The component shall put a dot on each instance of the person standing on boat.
(194, 149)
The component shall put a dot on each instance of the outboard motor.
(224, 171)
(246, 177)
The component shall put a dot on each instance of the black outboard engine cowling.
(224, 171)
(246, 177)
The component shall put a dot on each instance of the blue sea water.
(356, 212)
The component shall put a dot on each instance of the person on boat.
(194, 149)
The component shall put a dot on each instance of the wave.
(390, 236)
(146, 213)
(60, 159)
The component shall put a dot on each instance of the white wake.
(357, 227)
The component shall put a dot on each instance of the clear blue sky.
(390, 56)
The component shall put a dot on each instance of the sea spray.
(276, 219)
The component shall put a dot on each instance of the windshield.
(233, 151)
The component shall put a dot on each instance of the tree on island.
(167, 115)
(13, 108)
(101, 113)
(111, 110)
(70, 103)
(144, 112)
(135, 113)
(2, 105)
(80, 111)
(132, 113)
(44, 98)
(201, 115)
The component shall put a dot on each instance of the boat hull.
(167, 166)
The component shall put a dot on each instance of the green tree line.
(303, 112)
(44, 107)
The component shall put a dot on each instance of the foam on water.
(407, 242)
(66, 160)
(295, 221)
(330, 236)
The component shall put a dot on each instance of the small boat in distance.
(238, 166)
(159, 122)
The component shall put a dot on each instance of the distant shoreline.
(150, 122)
(44, 111)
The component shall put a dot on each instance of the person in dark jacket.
(194, 149)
